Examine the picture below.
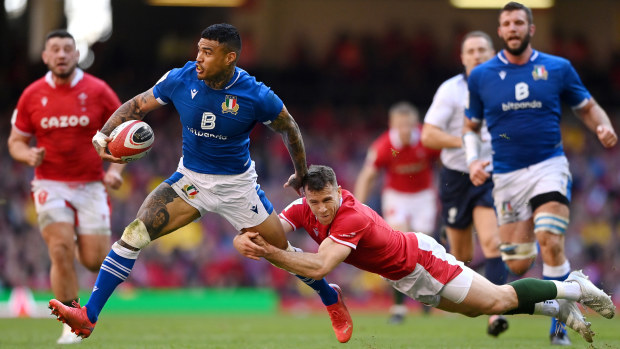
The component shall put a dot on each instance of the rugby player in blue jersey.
(519, 93)
(219, 104)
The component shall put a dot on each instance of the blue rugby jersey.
(217, 123)
(522, 106)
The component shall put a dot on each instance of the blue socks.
(114, 270)
(495, 270)
(328, 295)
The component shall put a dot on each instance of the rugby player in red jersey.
(413, 263)
(62, 111)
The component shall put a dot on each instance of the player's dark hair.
(59, 33)
(477, 34)
(224, 33)
(318, 177)
(514, 6)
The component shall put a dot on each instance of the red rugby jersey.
(63, 119)
(377, 247)
(409, 168)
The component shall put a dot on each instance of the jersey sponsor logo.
(206, 134)
(190, 190)
(540, 72)
(230, 105)
(64, 121)
(193, 92)
(521, 105)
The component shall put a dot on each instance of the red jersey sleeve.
(294, 213)
(348, 227)
(109, 100)
(21, 115)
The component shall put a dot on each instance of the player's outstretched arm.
(597, 120)
(311, 265)
(286, 126)
(134, 109)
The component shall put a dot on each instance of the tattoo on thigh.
(155, 214)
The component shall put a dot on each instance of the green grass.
(438, 330)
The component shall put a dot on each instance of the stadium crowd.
(340, 102)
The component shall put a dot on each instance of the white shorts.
(513, 191)
(84, 205)
(422, 286)
(237, 198)
(417, 211)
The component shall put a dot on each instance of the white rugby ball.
(131, 140)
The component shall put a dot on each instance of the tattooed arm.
(286, 126)
(134, 109)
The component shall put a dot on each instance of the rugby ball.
(131, 140)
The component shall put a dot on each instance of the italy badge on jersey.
(230, 105)
(540, 72)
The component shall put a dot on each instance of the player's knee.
(61, 251)
(519, 257)
(136, 235)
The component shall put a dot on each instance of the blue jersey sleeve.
(165, 86)
(474, 108)
(269, 105)
(574, 92)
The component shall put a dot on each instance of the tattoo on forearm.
(155, 214)
(130, 110)
(288, 128)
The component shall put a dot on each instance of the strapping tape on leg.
(550, 222)
(518, 251)
(136, 235)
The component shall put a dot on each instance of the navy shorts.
(459, 197)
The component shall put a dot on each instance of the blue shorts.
(459, 197)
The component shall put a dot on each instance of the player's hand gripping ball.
(131, 140)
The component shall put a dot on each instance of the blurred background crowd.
(338, 89)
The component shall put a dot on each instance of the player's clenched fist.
(606, 136)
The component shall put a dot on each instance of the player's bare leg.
(525, 296)
(162, 212)
(331, 295)
(60, 240)
(550, 222)
(92, 249)
(495, 271)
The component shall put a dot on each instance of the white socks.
(548, 308)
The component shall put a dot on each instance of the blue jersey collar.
(502, 57)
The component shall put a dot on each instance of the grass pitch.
(439, 330)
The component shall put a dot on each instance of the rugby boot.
(571, 315)
(591, 296)
(498, 324)
(341, 319)
(74, 316)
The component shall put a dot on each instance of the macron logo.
(193, 92)
(254, 209)
(95, 288)
(502, 74)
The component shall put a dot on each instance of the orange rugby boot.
(341, 319)
(74, 316)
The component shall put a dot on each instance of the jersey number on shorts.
(208, 121)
